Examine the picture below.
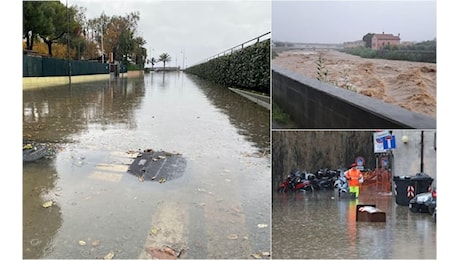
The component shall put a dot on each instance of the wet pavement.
(218, 208)
(319, 225)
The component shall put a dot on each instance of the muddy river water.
(219, 208)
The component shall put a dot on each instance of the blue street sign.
(389, 143)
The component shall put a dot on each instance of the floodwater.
(410, 85)
(219, 208)
(321, 226)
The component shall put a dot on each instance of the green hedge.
(248, 68)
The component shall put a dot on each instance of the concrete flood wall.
(41, 82)
(314, 104)
(261, 100)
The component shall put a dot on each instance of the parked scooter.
(305, 182)
(326, 178)
(286, 185)
(297, 181)
(341, 184)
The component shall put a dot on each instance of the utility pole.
(68, 44)
(102, 42)
(183, 59)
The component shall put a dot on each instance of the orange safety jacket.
(353, 175)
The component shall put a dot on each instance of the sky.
(189, 31)
(343, 21)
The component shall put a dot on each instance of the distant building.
(380, 40)
(354, 44)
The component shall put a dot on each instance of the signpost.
(384, 141)
(360, 162)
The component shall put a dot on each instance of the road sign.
(360, 161)
(389, 142)
(384, 141)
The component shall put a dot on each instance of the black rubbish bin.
(401, 185)
(422, 183)
(406, 187)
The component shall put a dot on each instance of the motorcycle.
(286, 185)
(297, 181)
(326, 178)
(341, 184)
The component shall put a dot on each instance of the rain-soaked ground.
(320, 226)
(219, 208)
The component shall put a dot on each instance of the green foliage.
(57, 23)
(47, 20)
(164, 57)
(274, 54)
(248, 68)
(321, 71)
(281, 117)
(419, 52)
(322, 75)
(133, 67)
(362, 52)
(368, 39)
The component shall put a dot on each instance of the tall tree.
(368, 39)
(47, 20)
(164, 57)
(120, 37)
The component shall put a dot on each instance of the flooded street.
(318, 225)
(219, 208)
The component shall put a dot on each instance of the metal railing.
(237, 47)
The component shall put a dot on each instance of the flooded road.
(219, 208)
(320, 226)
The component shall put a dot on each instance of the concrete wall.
(40, 82)
(408, 157)
(261, 100)
(316, 105)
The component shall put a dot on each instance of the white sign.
(379, 138)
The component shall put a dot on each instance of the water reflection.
(252, 121)
(55, 113)
(40, 224)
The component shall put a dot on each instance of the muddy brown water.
(410, 85)
(319, 225)
(219, 208)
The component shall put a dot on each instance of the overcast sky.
(342, 21)
(198, 29)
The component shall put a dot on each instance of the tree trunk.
(49, 43)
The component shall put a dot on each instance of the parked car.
(425, 202)
(432, 204)
(419, 203)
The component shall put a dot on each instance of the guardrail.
(237, 47)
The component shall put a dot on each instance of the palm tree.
(164, 57)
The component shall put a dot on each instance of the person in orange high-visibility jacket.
(355, 178)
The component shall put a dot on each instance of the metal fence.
(240, 46)
(33, 66)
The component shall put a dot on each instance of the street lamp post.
(183, 59)
(102, 42)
